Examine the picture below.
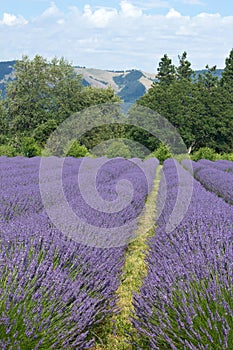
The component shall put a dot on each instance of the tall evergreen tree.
(226, 101)
(184, 70)
(209, 80)
(166, 71)
(201, 110)
(227, 75)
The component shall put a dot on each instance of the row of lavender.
(55, 290)
(215, 176)
(186, 301)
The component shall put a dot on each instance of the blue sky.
(122, 34)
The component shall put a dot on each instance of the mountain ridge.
(129, 84)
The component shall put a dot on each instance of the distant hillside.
(218, 72)
(129, 85)
(6, 73)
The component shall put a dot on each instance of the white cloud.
(123, 38)
(61, 21)
(11, 20)
(193, 2)
(205, 16)
(129, 10)
(144, 5)
(51, 11)
(173, 14)
(100, 17)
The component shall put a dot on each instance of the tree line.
(43, 94)
(199, 106)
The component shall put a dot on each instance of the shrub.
(162, 153)
(76, 150)
(7, 150)
(205, 153)
(118, 149)
(29, 147)
(227, 156)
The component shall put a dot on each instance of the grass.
(118, 333)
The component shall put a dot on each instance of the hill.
(6, 73)
(129, 85)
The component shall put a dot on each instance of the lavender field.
(60, 277)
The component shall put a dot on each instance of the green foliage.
(135, 149)
(179, 104)
(3, 139)
(205, 153)
(162, 153)
(227, 75)
(3, 122)
(209, 79)
(45, 93)
(227, 156)
(200, 109)
(105, 132)
(90, 96)
(118, 148)
(166, 71)
(184, 70)
(7, 150)
(76, 150)
(29, 148)
(43, 131)
(192, 297)
(42, 95)
(142, 137)
(41, 91)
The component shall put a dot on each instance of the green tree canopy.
(201, 110)
(41, 91)
(227, 75)
(118, 148)
(76, 150)
(44, 91)
(184, 70)
(166, 72)
(3, 124)
(209, 79)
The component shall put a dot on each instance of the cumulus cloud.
(9, 19)
(100, 17)
(173, 14)
(129, 10)
(118, 38)
(51, 11)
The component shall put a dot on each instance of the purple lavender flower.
(186, 299)
(55, 291)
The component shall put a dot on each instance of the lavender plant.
(214, 176)
(225, 165)
(217, 181)
(186, 299)
(54, 291)
(221, 164)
